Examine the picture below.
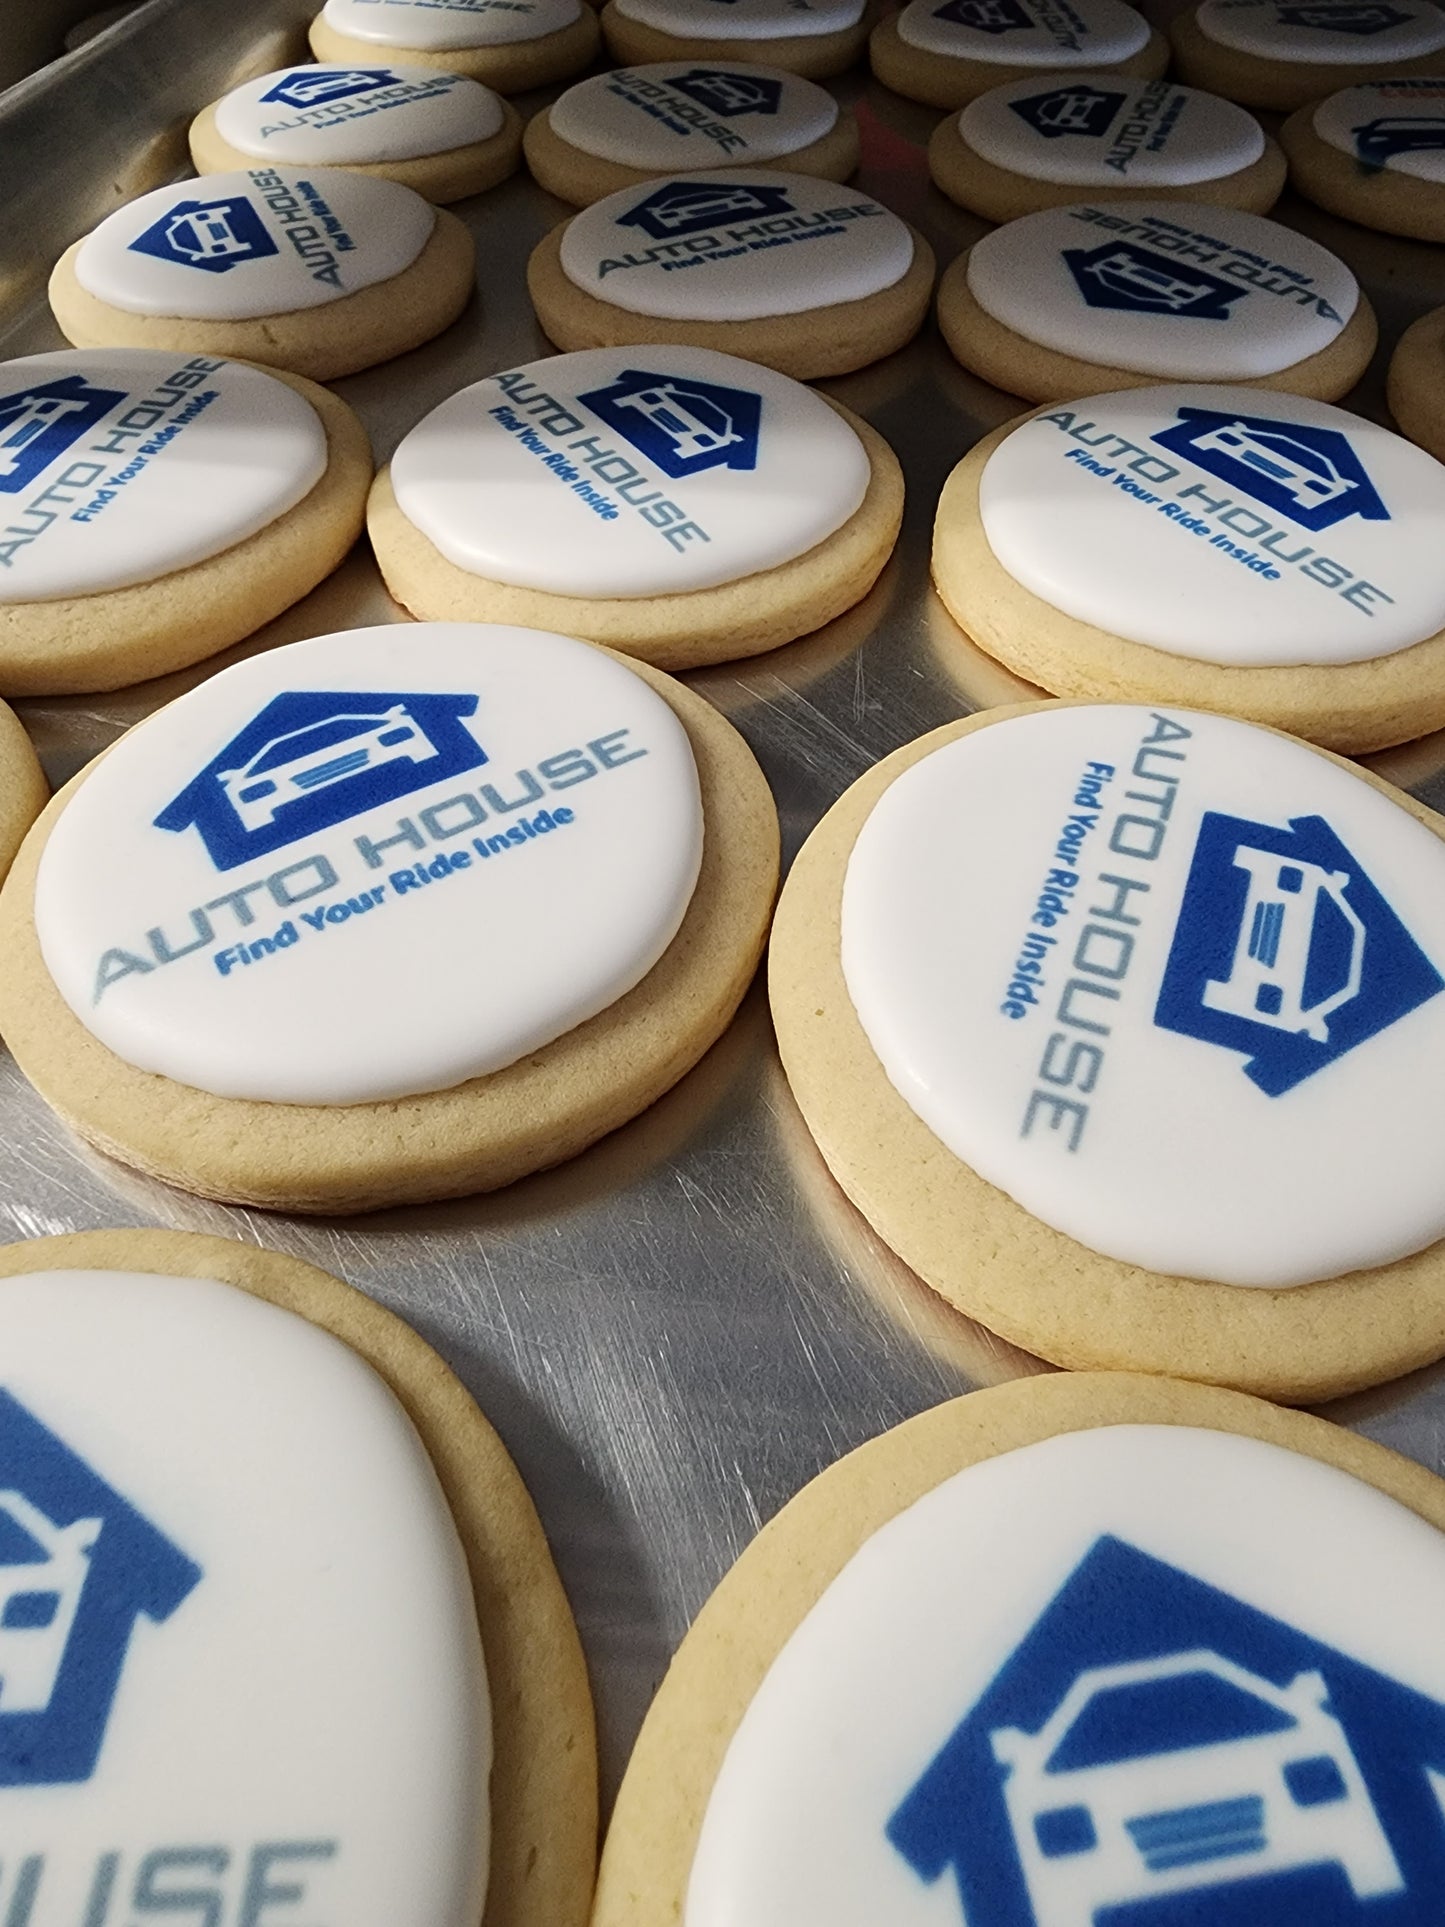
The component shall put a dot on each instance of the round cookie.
(1172, 545)
(512, 45)
(161, 506)
(23, 788)
(1034, 143)
(946, 55)
(616, 130)
(692, 510)
(607, 278)
(813, 38)
(1375, 154)
(1074, 300)
(131, 1365)
(1414, 387)
(438, 133)
(561, 901)
(1162, 1580)
(323, 273)
(1278, 54)
(1120, 1052)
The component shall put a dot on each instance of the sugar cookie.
(858, 290)
(1172, 545)
(441, 134)
(308, 1684)
(948, 55)
(323, 272)
(1166, 1607)
(1280, 54)
(1033, 143)
(1074, 300)
(512, 45)
(814, 38)
(1415, 383)
(23, 788)
(200, 936)
(616, 130)
(1375, 154)
(691, 510)
(158, 506)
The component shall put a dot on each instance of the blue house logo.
(1309, 474)
(78, 1567)
(1346, 19)
(729, 95)
(1157, 1753)
(215, 236)
(1286, 951)
(686, 207)
(38, 424)
(681, 425)
(315, 758)
(1122, 275)
(1070, 110)
(1378, 141)
(316, 86)
(986, 16)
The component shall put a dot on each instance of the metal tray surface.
(677, 1330)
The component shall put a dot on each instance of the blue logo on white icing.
(312, 759)
(38, 424)
(78, 1566)
(1364, 19)
(686, 207)
(314, 86)
(986, 16)
(1157, 1753)
(1307, 473)
(1069, 110)
(1285, 950)
(681, 425)
(215, 236)
(1379, 140)
(1122, 275)
(729, 95)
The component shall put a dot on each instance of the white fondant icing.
(681, 114)
(373, 864)
(744, 19)
(679, 469)
(671, 248)
(1104, 130)
(1225, 524)
(939, 1629)
(441, 26)
(262, 1687)
(1163, 288)
(346, 115)
(1345, 33)
(1398, 124)
(1233, 1085)
(120, 465)
(1026, 33)
(261, 241)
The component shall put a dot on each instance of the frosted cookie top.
(744, 19)
(447, 26)
(1026, 33)
(1395, 124)
(341, 115)
(677, 115)
(1345, 33)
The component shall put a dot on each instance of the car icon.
(1377, 140)
(1072, 113)
(1300, 950)
(1165, 1777)
(1124, 273)
(693, 424)
(310, 759)
(1293, 466)
(205, 234)
(39, 413)
(714, 205)
(39, 1598)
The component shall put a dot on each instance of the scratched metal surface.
(676, 1331)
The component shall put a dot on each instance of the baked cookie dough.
(1276, 53)
(815, 38)
(1375, 154)
(323, 272)
(946, 55)
(512, 45)
(1110, 1018)
(1416, 386)
(689, 510)
(397, 914)
(23, 788)
(859, 289)
(1231, 549)
(159, 506)
(616, 130)
(454, 1770)
(1036, 143)
(438, 133)
(1074, 300)
(1075, 1566)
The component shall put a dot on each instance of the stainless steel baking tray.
(676, 1331)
